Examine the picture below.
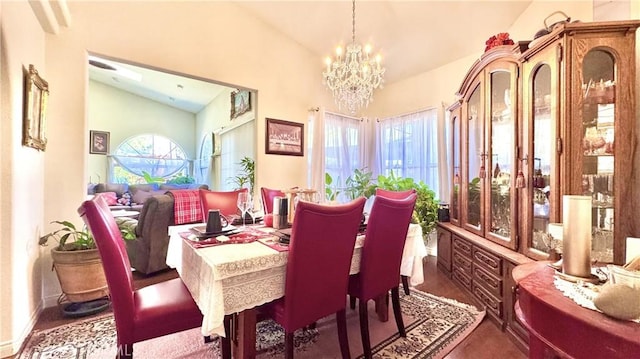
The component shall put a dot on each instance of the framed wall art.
(36, 95)
(240, 103)
(284, 137)
(99, 142)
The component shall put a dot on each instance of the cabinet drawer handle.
(463, 246)
(463, 261)
(489, 280)
(461, 278)
(487, 300)
(487, 260)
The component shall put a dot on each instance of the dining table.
(234, 277)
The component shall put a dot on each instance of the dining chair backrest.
(267, 198)
(394, 194)
(386, 234)
(225, 201)
(317, 275)
(117, 269)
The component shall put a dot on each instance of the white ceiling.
(412, 36)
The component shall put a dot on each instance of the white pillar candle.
(576, 243)
(633, 248)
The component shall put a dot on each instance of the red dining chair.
(267, 198)
(225, 201)
(397, 195)
(317, 275)
(153, 311)
(394, 194)
(380, 260)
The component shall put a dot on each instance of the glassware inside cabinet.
(502, 145)
(476, 159)
(543, 150)
(598, 148)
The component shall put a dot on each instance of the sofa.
(148, 251)
(123, 196)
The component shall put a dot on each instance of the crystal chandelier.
(353, 78)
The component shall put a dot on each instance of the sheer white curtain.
(339, 145)
(235, 146)
(444, 135)
(407, 145)
(315, 150)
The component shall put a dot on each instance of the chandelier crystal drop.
(353, 78)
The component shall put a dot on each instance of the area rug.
(434, 326)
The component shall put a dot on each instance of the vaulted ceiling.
(412, 36)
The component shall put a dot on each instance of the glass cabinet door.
(456, 175)
(540, 157)
(543, 129)
(598, 134)
(476, 158)
(500, 172)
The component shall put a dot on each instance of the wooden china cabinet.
(535, 121)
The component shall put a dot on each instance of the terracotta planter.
(80, 275)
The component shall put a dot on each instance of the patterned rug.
(434, 326)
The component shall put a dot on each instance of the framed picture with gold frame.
(36, 94)
(240, 103)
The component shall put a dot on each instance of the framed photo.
(36, 94)
(99, 142)
(284, 138)
(240, 103)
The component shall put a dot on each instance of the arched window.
(204, 160)
(155, 155)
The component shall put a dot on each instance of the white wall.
(438, 87)
(22, 177)
(216, 117)
(125, 115)
(186, 37)
(161, 34)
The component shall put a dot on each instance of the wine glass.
(249, 204)
(242, 205)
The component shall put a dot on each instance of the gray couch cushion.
(144, 187)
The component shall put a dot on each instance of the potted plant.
(246, 174)
(360, 183)
(77, 264)
(331, 191)
(425, 211)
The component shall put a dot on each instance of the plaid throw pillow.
(187, 208)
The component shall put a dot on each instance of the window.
(344, 139)
(204, 162)
(237, 143)
(408, 146)
(156, 155)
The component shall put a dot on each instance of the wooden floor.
(486, 341)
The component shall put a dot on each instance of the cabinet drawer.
(461, 277)
(462, 263)
(488, 260)
(490, 282)
(492, 303)
(461, 246)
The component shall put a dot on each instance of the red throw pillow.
(110, 197)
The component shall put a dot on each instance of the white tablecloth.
(230, 278)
